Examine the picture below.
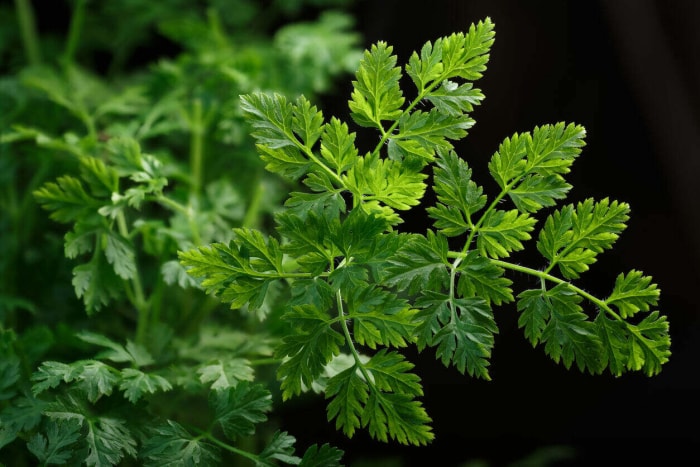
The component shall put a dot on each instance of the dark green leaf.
(240, 408)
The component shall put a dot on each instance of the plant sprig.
(365, 290)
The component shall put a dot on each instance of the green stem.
(453, 280)
(548, 277)
(421, 95)
(138, 298)
(27, 25)
(208, 436)
(76, 27)
(349, 341)
(197, 129)
(171, 204)
(253, 211)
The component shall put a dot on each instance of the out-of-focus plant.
(138, 153)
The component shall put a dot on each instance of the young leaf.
(502, 232)
(457, 55)
(633, 293)
(385, 181)
(572, 237)
(459, 197)
(271, 117)
(241, 272)
(430, 131)
(67, 200)
(338, 146)
(376, 96)
(455, 99)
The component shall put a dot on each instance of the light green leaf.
(385, 181)
(503, 231)
(457, 55)
(455, 99)
(307, 121)
(67, 200)
(397, 416)
(633, 293)
(338, 146)
(536, 192)
(271, 116)
(572, 238)
(226, 373)
(479, 277)
(433, 129)
(459, 197)
(376, 96)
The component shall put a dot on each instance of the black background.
(629, 72)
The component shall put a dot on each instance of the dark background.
(629, 72)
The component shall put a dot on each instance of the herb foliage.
(121, 360)
(362, 288)
(170, 212)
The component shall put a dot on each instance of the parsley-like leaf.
(238, 409)
(171, 444)
(376, 96)
(572, 237)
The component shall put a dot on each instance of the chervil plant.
(360, 290)
(113, 356)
